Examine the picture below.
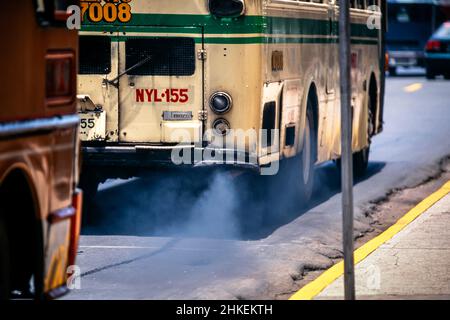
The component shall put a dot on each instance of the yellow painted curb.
(309, 291)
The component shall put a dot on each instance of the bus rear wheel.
(4, 262)
(430, 75)
(361, 162)
(89, 182)
(306, 161)
(361, 158)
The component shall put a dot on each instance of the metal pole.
(346, 148)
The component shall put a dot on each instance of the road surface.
(160, 238)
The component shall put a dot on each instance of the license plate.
(177, 115)
(407, 61)
(92, 125)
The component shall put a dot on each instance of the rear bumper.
(144, 157)
(438, 64)
(406, 58)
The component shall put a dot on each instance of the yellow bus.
(240, 83)
(40, 205)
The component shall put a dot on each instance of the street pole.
(346, 148)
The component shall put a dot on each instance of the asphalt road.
(171, 237)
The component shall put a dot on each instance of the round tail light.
(221, 126)
(220, 102)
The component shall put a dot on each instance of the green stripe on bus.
(259, 40)
(184, 23)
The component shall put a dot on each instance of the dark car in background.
(437, 53)
(410, 24)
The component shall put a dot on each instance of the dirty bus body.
(213, 69)
(40, 207)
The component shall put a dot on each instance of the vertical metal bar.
(346, 148)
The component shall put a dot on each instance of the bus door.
(161, 90)
(97, 86)
(328, 132)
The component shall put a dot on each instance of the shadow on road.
(218, 205)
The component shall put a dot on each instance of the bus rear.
(170, 73)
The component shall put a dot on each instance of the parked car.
(437, 53)
(410, 24)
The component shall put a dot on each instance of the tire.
(308, 156)
(430, 74)
(392, 71)
(303, 165)
(89, 182)
(294, 182)
(361, 158)
(4, 262)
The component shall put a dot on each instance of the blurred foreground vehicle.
(437, 53)
(410, 25)
(40, 208)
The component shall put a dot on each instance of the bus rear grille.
(169, 56)
(95, 55)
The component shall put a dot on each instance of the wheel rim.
(306, 154)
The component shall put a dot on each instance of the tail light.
(433, 46)
(75, 225)
(60, 78)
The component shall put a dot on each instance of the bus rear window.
(95, 55)
(169, 56)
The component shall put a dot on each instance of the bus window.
(169, 56)
(360, 4)
(95, 55)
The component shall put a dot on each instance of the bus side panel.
(365, 62)
(234, 65)
(299, 35)
(23, 61)
(46, 152)
(39, 158)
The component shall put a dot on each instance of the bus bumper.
(406, 58)
(140, 158)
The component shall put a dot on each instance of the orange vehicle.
(40, 207)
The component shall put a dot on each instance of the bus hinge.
(203, 115)
(201, 54)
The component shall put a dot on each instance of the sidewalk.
(413, 263)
